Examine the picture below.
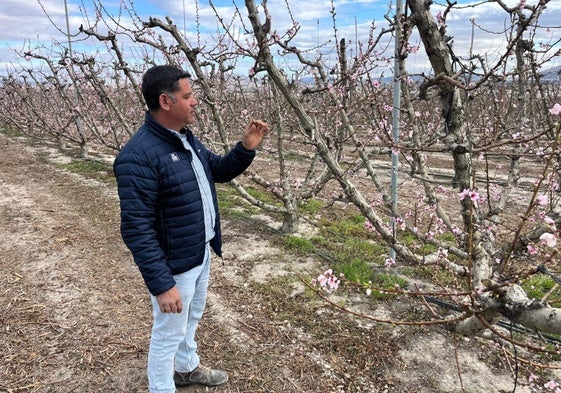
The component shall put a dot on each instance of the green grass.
(10, 132)
(299, 245)
(436, 274)
(91, 169)
(227, 197)
(345, 243)
(361, 248)
(311, 207)
(262, 195)
(410, 239)
(346, 226)
(85, 167)
(231, 204)
(355, 270)
(539, 285)
(386, 281)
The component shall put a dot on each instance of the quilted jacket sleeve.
(234, 163)
(138, 185)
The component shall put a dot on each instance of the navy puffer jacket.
(162, 219)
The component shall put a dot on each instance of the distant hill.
(549, 75)
(552, 74)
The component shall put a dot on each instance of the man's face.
(182, 105)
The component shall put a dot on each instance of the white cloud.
(24, 22)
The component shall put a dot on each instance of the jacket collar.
(162, 132)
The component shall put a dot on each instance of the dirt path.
(75, 317)
(69, 293)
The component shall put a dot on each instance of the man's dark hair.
(160, 79)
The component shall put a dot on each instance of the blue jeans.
(172, 345)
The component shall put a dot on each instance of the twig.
(423, 298)
(456, 358)
(548, 294)
(388, 321)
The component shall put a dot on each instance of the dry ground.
(75, 317)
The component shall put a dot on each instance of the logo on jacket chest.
(174, 157)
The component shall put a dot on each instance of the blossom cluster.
(327, 281)
(555, 110)
(473, 195)
(554, 386)
(549, 238)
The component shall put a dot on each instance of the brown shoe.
(201, 376)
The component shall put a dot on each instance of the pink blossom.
(531, 249)
(551, 385)
(556, 110)
(390, 262)
(440, 19)
(549, 221)
(542, 200)
(327, 281)
(333, 283)
(549, 239)
(473, 195)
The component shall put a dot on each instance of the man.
(170, 220)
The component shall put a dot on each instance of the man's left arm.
(227, 167)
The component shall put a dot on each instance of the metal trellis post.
(395, 117)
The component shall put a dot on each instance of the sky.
(32, 24)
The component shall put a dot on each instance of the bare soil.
(75, 315)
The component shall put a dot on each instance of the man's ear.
(165, 101)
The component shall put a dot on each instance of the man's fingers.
(170, 301)
(260, 126)
(173, 308)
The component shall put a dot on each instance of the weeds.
(10, 132)
(541, 287)
(311, 207)
(91, 169)
(261, 195)
(300, 245)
